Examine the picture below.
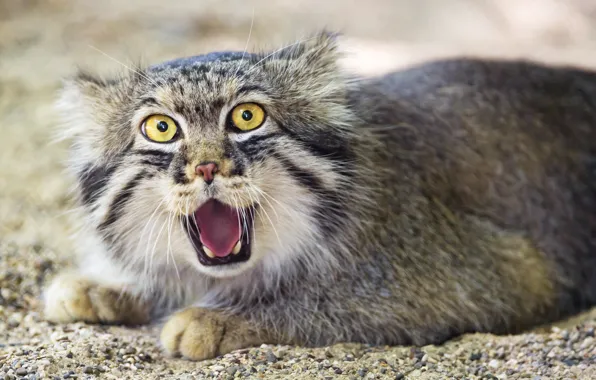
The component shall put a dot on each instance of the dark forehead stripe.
(197, 70)
(149, 101)
(251, 88)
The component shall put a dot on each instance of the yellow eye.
(247, 116)
(159, 128)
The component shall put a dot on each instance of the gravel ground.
(40, 41)
(31, 348)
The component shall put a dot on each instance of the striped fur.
(389, 208)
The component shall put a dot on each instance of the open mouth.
(220, 234)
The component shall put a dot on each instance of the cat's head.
(218, 162)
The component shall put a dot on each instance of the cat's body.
(453, 197)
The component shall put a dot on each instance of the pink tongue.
(219, 226)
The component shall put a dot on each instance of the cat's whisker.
(260, 192)
(276, 52)
(146, 266)
(148, 257)
(241, 213)
(153, 218)
(252, 211)
(153, 214)
(194, 217)
(270, 221)
(245, 221)
(169, 252)
(154, 250)
(168, 244)
(267, 196)
(124, 65)
(71, 211)
(252, 20)
(187, 220)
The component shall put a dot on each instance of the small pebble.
(271, 358)
(494, 363)
(90, 370)
(232, 370)
(22, 371)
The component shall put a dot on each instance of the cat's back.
(515, 92)
(512, 143)
(476, 125)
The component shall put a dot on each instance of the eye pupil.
(246, 115)
(162, 126)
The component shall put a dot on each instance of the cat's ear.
(88, 105)
(317, 54)
(84, 102)
(85, 84)
(309, 79)
(310, 66)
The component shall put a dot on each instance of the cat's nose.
(206, 170)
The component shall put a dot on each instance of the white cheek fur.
(262, 130)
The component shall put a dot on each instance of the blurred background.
(42, 41)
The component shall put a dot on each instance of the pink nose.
(206, 170)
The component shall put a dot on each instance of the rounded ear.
(307, 66)
(318, 52)
(75, 104)
(307, 76)
(88, 106)
(83, 101)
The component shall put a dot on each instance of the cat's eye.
(247, 116)
(160, 128)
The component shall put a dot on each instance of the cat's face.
(215, 163)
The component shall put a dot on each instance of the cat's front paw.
(72, 298)
(200, 334)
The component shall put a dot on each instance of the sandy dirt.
(43, 41)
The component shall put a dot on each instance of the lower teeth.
(237, 247)
(235, 250)
(208, 252)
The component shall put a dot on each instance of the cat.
(274, 198)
